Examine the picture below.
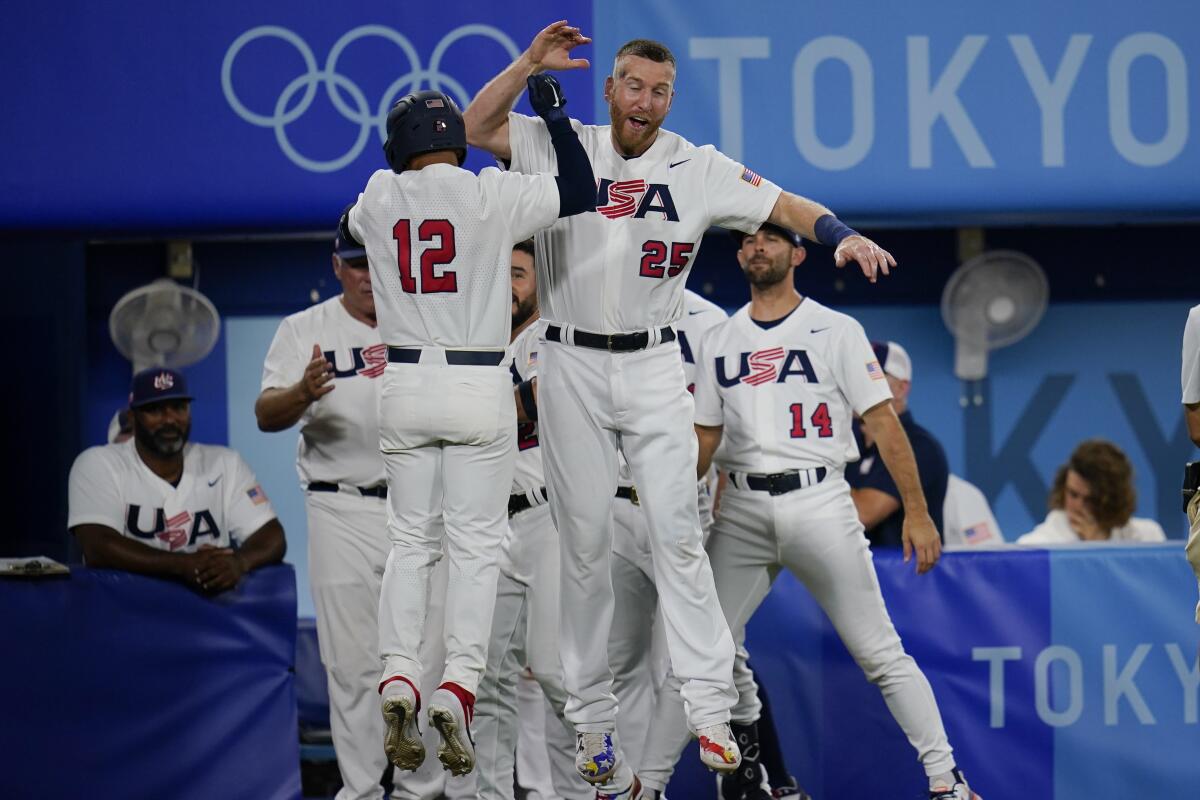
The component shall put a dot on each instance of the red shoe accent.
(464, 697)
(715, 748)
(412, 686)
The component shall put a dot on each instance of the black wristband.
(525, 392)
(830, 230)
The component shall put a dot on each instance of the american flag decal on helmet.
(435, 102)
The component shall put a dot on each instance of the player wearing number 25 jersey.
(438, 241)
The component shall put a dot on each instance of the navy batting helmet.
(424, 122)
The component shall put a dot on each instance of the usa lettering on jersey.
(178, 531)
(771, 365)
(636, 198)
(368, 362)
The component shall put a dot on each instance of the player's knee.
(886, 665)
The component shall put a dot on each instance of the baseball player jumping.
(779, 383)
(438, 241)
(610, 286)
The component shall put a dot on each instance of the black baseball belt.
(628, 493)
(612, 342)
(472, 358)
(379, 490)
(520, 502)
(778, 483)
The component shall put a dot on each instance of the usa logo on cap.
(164, 381)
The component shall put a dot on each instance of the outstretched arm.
(487, 115)
(576, 182)
(816, 222)
(919, 535)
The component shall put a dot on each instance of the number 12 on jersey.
(432, 282)
(819, 420)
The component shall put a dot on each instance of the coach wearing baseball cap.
(159, 505)
(875, 494)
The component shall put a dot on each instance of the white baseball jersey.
(218, 501)
(787, 394)
(1056, 529)
(623, 268)
(967, 518)
(1190, 376)
(527, 471)
(699, 315)
(339, 433)
(439, 242)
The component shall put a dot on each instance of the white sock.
(944, 781)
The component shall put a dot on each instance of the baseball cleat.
(402, 740)
(718, 750)
(634, 792)
(595, 756)
(792, 790)
(450, 710)
(959, 791)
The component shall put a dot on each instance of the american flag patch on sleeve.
(256, 494)
(977, 533)
(751, 177)
(874, 370)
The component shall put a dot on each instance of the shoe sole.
(456, 756)
(596, 780)
(406, 752)
(721, 767)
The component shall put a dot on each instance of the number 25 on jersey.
(432, 281)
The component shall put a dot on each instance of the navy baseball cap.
(347, 249)
(786, 233)
(155, 384)
(894, 359)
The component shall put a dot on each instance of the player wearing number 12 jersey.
(779, 384)
(438, 241)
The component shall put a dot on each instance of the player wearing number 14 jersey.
(438, 241)
(779, 382)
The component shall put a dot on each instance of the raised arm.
(576, 182)
(816, 222)
(487, 115)
(920, 535)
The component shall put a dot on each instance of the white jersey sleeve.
(709, 407)
(528, 202)
(858, 371)
(246, 505)
(1191, 358)
(94, 491)
(738, 197)
(284, 365)
(529, 142)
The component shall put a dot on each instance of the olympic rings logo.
(338, 86)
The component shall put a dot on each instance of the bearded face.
(163, 428)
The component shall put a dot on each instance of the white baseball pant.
(524, 633)
(815, 533)
(448, 439)
(347, 548)
(590, 402)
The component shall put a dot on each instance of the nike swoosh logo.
(694, 313)
(213, 482)
(677, 163)
(818, 330)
